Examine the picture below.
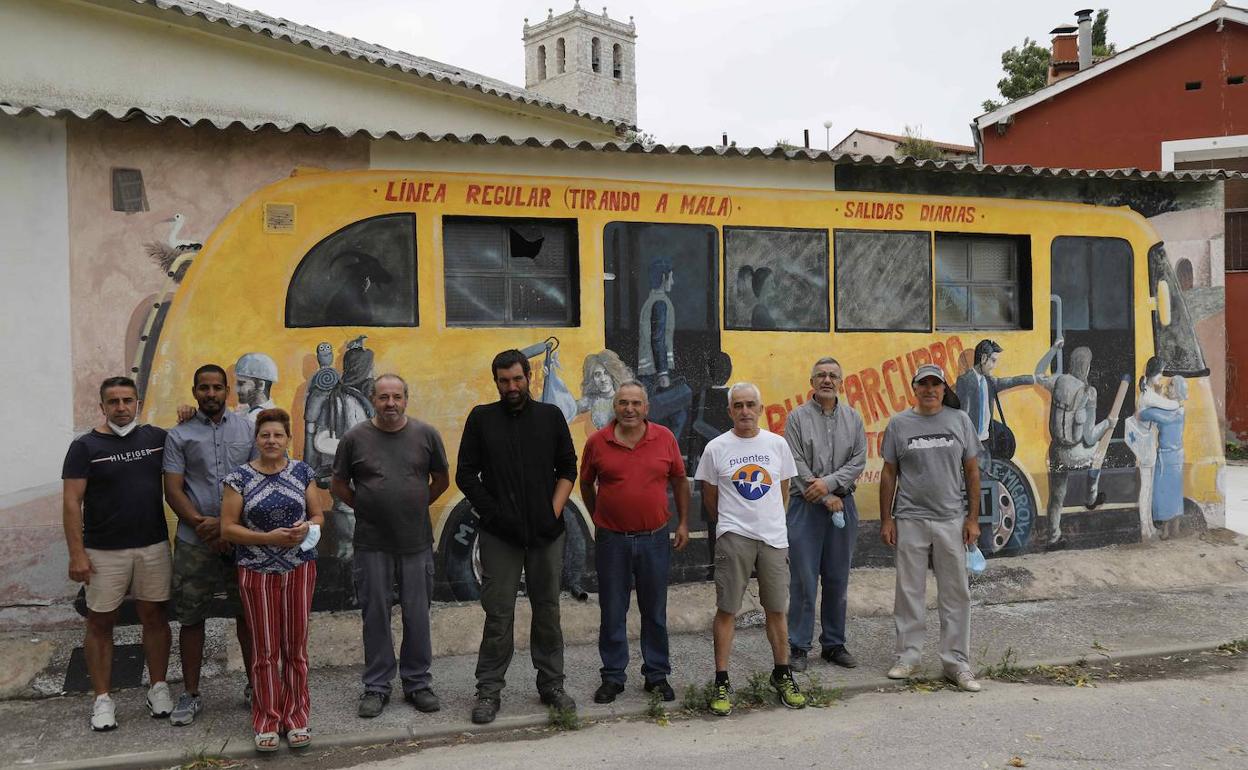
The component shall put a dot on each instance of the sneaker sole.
(107, 729)
(157, 714)
(788, 705)
(721, 713)
(182, 722)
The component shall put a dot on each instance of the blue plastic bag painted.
(975, 561)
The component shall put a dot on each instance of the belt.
(639, 532)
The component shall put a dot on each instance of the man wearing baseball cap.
(929, 503)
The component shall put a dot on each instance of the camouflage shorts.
(200, 577)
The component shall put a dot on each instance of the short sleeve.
(437, 452)
(788, 467)
(707, 465)
(971, 438)
(342, 458)
(888, 446)
(588, 458)
(304, 473)
(235, 481)
(174, 460)
(677, 469)
(77, 461)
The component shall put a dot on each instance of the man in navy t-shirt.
(118, 542)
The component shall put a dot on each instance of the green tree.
(915, 146)
(1026, 70)
(1100, 30)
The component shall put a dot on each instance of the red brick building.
(1178, 100)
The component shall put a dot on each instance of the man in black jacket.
(516, 466)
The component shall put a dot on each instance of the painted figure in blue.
(1168, 470)
(656, 356)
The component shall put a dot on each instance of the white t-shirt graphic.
(748, 472)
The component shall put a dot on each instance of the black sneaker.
(840, 656)
(372, 704)
(424, 700)
(559, 698)
(797, 659)
(484, 710)
(662, 688)
(607, 691)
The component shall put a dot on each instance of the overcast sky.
(761, 70)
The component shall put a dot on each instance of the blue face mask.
(975, 561)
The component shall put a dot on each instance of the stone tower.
(584, 60)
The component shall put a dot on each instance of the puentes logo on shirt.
(931, 441)
(751, 481)
(128, 457)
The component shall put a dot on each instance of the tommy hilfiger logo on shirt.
(128, 457)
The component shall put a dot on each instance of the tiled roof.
(948, 146)
(353, 48)
(660, 150)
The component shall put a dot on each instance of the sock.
(721, 677)
(105, 696)
(779, 671)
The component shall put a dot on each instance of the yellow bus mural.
(1046, 314)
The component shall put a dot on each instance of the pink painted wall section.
(199, 173)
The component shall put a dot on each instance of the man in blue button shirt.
(199, 453)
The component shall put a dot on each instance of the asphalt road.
(1189, 718)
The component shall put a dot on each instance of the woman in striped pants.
(271, 511)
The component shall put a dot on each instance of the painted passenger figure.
(763, 286)
(978, 390)
(602, 374)
(656, 356)
(742, 305)
(1141, 438)
(1168, 472)
(254, 375)
(1073, 429)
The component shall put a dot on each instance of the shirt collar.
(814, 405)
(610, 429)
(206, 420)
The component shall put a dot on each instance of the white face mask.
(122, 430)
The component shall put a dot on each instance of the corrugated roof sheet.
(340, 45)
(773, 153)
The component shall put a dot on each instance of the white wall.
(35, 394)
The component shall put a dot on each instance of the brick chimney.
(1064, 57)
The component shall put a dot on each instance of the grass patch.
(1236, 452)
(818, 696)
(1007, 670)
(697, 700)
(757, 690)
(206, 760)
(563, 719)
(1234, 647)
(1077, 675)
(655, 710)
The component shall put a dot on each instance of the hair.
(645, 396)
(742, 386)
(759, 279)
(508, 359)
(273, 415)
(611, 363)
(208, 369)
(118, 382)
(265, 386)
(390, 376)
(745, 273)
(825, 361)
(1081, 358)
(984, 349)
(660, 267)
(1152, 368)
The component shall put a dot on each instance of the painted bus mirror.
(1161, 303)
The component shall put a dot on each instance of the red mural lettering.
(871, 389)
(776, 417)
(952, 344)
(891, 365)
(474, 194)
(661, 206)
(853, 394)
(941, 359)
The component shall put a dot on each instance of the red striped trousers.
(276, 606)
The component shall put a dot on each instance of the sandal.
(267, 742)
(299, 738)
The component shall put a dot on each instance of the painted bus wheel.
(460, 552)
(1017, 506)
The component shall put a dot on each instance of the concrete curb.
(244, 750)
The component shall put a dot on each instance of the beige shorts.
(736, 556)
(146, 573)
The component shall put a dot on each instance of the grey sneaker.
(103, 714)
(187, 709)
(159, 700)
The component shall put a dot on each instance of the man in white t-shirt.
(744, 475)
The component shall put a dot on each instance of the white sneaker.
(902, 671)
(103, 714)
(965, 681)
(159, 700)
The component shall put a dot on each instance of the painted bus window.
(883, 281)
(777, 279)
(981, 282)
(362, 275)
(510, 272)
(1093, 278)
(1176, 343)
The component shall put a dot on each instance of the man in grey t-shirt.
(929, 502)
(390, 469)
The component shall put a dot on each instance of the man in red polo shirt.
(633, 462)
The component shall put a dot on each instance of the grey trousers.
(376, 573)
(501, 563)
(943, 539)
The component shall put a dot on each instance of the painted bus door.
(1094, 278)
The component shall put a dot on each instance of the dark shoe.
(424, 700)
(372, 703)
(484, 711)
(558, 698)
(840, 656)
(662, 688)
(797, 659)
(607, 691)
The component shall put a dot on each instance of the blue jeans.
(624, 561)
(819, 552)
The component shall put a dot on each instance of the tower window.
(617, 61)
(595, 55)
(541, 62)
(560, 56)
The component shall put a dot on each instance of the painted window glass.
(1093, 278)
(362, 275)
(1176, 344)
(510, 272)
(883, 280)
(981, 282)
(128, 192)
(777, 279)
